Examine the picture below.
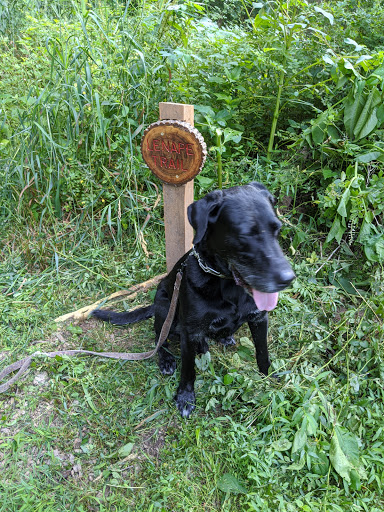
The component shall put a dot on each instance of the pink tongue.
(265, 301)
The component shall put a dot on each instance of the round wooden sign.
(174, 151)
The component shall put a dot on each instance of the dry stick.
(82, 314)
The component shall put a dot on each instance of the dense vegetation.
(286, 93)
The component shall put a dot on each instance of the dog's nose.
(286, 276)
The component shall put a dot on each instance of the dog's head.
(239, 226)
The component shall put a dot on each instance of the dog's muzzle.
(264, 301)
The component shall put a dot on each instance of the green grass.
(81, 217)
(92, 434)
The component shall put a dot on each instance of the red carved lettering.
(156, 146)
(163, 162)
(149, 149)
(174, 148)
(172, 164)
(179, 165)
(155, 157)
(189, 149)
(181, 146)
(164, 146)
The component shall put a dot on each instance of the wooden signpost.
(175, 152)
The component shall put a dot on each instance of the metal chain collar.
(205, 267)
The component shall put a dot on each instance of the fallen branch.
(82, 314)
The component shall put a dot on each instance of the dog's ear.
(204, 211)
(258, 186)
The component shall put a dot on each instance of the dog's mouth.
(264, 301)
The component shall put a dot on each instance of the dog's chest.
(224, 319)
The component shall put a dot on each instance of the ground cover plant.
(286, 93)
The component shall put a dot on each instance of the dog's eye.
(254, 230)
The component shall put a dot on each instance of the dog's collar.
(205, 267)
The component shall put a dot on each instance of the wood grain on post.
(178, 231)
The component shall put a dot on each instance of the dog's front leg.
(185, 396)
(259, 331)
(167, 362)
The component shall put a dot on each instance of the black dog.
(232, 276)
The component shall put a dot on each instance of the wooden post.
(178, 231)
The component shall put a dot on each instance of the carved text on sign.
(174, 151)
(161, 146)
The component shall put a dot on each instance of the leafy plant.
(216, 122)
(11, 17)
(81, 217)
(356, 207)
(287, 22)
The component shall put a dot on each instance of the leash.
(24, 364)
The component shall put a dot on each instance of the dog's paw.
(202, 347)
(228, 341)
(185, 401)
(167, 363)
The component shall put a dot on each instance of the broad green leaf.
(328, 60)
(328, 173)
(224, 97)
(125, 450)
(88, 399)
(345, 284)
(337, 231)
(223, 114)
(234, 73)
(320, 464)
(353, 106)
(318, 133)
(281, 445)
(75, 329)
(349, 65)
(299, 440)
(262, 21)
(380, 114)
(360, 109)
(363, 58)
(297, 466)
(344, 454)
(370, 253)
(357, 46)
(342, 208)
(206, 111)
(233, 135)
(333, 132)
(246, 353)
(326, 14)
(311, 424)
(339, 456)
(379, 71)
(374, 248)
(355, 480)
(367, 120)
(202, 362)
(230, 484)
(246, 342)
(369, 157)
(204, 182)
